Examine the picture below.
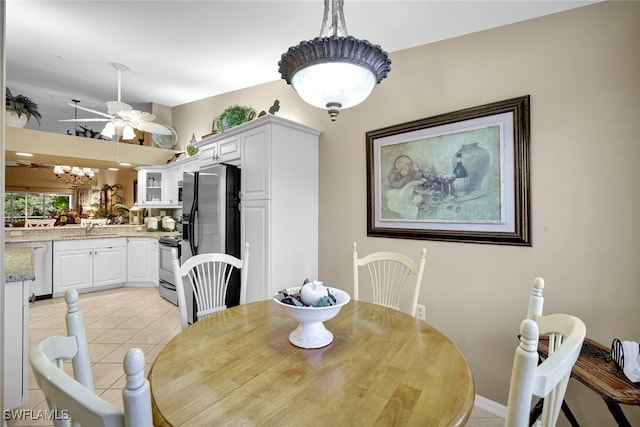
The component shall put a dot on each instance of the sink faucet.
(89, 227)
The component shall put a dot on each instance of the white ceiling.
(181, 51)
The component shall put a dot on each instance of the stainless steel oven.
(167, 287)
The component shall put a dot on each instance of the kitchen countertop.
(18, 264)
(71, 232)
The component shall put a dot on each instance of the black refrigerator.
(211, 221)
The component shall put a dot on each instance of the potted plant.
(20, 109)
(233, 116)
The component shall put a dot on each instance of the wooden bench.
(596, 370)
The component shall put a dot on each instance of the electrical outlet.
(420, 312)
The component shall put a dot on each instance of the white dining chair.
(208, 275)
(391, 274)
(548, 379)
(71, 398)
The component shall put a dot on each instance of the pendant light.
(334, 70)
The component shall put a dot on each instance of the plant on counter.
(110, 203)
(22, 105)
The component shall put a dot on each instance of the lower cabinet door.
(72, 269)
(110, 266)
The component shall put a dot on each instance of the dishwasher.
(42, 286)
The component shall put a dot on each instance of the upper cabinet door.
(150, 187)
(225, 150)
(256, 164)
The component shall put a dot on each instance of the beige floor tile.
(112, 395)
(98, 351)
(105, 375)
(95, 332)
(36, 335)
(109, 322)
(53, 321)
(137, 322)
(117, 355)
(115, 336)
(150, 336)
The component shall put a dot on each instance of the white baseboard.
(488, 405)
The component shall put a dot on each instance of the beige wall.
(582, 70)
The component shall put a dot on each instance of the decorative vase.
(475, 160)
(12, 119)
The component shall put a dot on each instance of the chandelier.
(334, 70)
(73, 175)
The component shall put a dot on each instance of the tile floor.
(117, 320)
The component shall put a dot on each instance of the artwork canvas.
(461, 176)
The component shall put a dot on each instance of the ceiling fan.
(121, 117)
(30, 165)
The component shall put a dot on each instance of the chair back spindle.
(75, 327)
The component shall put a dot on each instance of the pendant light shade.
(334, 70)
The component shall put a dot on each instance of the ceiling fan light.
(109, 130)
(128, 133)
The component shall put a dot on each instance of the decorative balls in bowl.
(310, 307)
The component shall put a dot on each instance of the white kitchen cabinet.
(16, 342)
(158, 185)
(142, 261)
(89, 264)
(172, 175)
(150, 185)
(221, 148)
(279, 203)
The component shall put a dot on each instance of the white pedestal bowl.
(311, 332)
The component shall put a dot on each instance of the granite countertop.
(21, 235)
(18, 264)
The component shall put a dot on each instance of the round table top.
(383, 367)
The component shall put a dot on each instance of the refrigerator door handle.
(192, 216)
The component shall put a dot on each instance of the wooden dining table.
(383, 368)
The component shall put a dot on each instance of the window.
(20, 206)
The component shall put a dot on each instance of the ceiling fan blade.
(89, 110)
(153, 127)
(95, 119)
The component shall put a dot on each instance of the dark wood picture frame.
(461, 176)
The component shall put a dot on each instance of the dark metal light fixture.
(334, 70)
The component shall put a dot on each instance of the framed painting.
(461, 176)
